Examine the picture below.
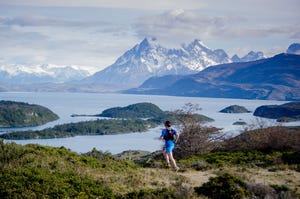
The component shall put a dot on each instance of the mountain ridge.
(275, 78)
(41, 73)
(149, 59)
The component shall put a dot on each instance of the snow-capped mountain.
(46, 73)
(149, 59)
(275, 78)
(146, 59)
(199, 56)
(251, 56)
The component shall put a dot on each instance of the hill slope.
(289, 110)
(19, 114)
(35, 171)
(139, 110)
(276, 78)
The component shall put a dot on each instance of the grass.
(41, 171)
(48, 172)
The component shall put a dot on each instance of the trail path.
(197, 178)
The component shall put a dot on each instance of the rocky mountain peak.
(148, 59)
(294, 49)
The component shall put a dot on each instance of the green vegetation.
(130, 119)
(225, 186)
(96, 127)
(235, 109)
(139, 110)
(266, 139)
(35, 171)
(151, 112)
(19, 114)
(284, 113)
(248, 158)
(239, 123)
(148, 111)
(260, 163)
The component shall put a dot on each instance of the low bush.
(149, 194)
(225, 186)
(250, 158)
(266, 139)
(40, 183)
(291, 157)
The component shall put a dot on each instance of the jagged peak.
(252, 53)
(235, 58)
(196, 43)
(199, 43)
(147, 43)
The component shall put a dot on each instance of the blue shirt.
(164, 133)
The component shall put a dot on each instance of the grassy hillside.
(35, 171)
(19, 114)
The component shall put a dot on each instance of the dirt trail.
(197, 178)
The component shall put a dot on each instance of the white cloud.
(133, 4)
(91, 46)
(97, 32)
(39, 20)
(183, 26)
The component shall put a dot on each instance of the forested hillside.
(19, 114)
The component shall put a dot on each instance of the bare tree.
(195, 138)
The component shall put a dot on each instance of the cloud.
(39, 20)
(35, 45)
(183, 26)
(11, 36)
(132, 4)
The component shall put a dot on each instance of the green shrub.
(40, 183)
(225, 186)
(291, 157)
(94, 127)
(150, 193)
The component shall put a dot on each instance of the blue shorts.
(169, 146)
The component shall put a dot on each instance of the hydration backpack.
(169, 134)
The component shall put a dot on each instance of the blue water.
(66, 104)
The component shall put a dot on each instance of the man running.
(170, 136)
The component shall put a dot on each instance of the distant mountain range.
(275, 78)
(149, 68)
(44, 73)
(149, 59)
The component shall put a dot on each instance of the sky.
(94, 33)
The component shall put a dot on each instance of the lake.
(66, 104)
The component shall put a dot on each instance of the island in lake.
(235, 109)
(138, 117)
(20, 114)
(283, 113)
